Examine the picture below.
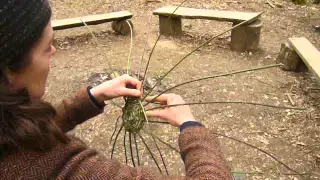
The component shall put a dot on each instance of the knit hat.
(21, 25)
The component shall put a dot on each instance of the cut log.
(308, 53)
(122, 27)
(288, 57)
(170, 26)
(246, 37)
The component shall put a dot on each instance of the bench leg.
(122, 27)
(246, 37)
(290, 59)
(170, 26)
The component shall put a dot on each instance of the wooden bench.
(243, 38)
(118, 18)
(299, 51)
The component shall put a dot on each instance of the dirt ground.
(291, 136)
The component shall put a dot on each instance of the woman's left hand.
(124, 85)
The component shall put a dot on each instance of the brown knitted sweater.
(199, 150)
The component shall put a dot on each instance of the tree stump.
(122, 27)
(289, 58)
(246, 37)
(170, 26)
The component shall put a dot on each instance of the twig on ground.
(290, 99)
(271, 4)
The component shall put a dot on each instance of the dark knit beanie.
(21, 25)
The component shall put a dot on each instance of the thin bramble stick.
(155, 44)
(90, 30)
(160, 140)
(150, 152)
(137, 149)
(161, 156)
(125, 147)
(227, 102)
(145, 45)
(158, 122)
(131, 46)
(115, 141)
(115, 129)
(95, 38)
(216, 76)
(261, 150)
(205, 43)
(131, 151)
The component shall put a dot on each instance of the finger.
(131, 92)
(161, 99)
(132, 81)
(156, 113)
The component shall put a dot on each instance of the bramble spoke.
(160, 140)
(150, 152)
(162, 158)
(224, 102)
(137, 149)
(155, 44)
(125, 147)
(131, 151)
(216, 76)
(205, 43)
(115, 129)
(261, 150)
(115, 141)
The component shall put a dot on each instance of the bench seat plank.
(191, 13)
(90, 20)
(308, 53)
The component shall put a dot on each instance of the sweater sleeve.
(76, 110)
(199, 149)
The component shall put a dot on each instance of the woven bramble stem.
(133, 116)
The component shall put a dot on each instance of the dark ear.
(7, 76)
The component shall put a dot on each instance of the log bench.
(299, 51)
(243, 38)
(118, 20)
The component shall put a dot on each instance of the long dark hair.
(25, 123)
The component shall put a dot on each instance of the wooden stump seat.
(118, 18)
(299, 51)
(243, 38)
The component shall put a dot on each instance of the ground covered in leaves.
(291, 136)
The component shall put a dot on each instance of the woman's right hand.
(176, 115)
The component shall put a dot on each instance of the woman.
(33, 144)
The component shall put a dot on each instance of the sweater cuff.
(190, 124)
(94, 100)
